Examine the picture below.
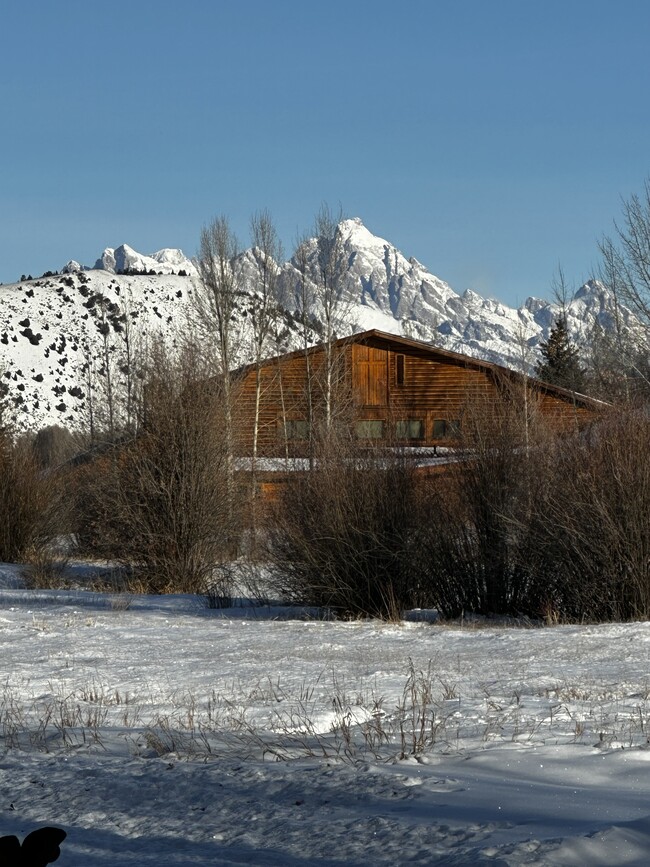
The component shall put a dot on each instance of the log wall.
(388, 390)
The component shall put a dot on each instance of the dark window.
(439, 428)
(370, 429)
(409, 429)
(400, 369)
(443, 429)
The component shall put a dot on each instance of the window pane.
(439, 428)
(370, 429)
(443, 429)
(399, 370)
(411, 429)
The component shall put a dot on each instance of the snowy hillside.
(59, 334)
(55, 333)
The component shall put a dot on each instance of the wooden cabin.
(392, 389)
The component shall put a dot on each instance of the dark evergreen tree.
(559, 364)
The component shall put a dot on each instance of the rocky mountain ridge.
(62, 335)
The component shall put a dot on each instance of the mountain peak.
(354, 228)
(124, 259)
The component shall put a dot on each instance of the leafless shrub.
(45, 569)
(344, 531)
(618, 362)
(164, 503)
(32, 505)
(219, 587)
(53, 446)
(481, 551)
(118, 583)
(254, 578)
(593, 529)
(529, 523)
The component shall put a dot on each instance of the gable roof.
(397, 343)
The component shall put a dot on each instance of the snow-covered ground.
(154, 730)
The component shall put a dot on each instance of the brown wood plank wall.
(367, 379)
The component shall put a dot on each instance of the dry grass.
(267, 720)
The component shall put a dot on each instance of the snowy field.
(155, 731)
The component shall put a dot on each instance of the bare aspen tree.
(217, 299)
(279, 340)
(113, 373)
(106, 368)
(619, 358)
(220, 290)
(321, 266)
(626, 259)
(625, 270)
(328, 271)
(560, 290)
(131, 359)
(304, 302)
(523, 345)
(89, 376)
(267, 253)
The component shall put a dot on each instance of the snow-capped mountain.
(399, 294)
(59, 334)
(125, 259)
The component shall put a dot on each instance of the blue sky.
(490, 139)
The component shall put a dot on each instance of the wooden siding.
(437, 389)
(291, 387)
